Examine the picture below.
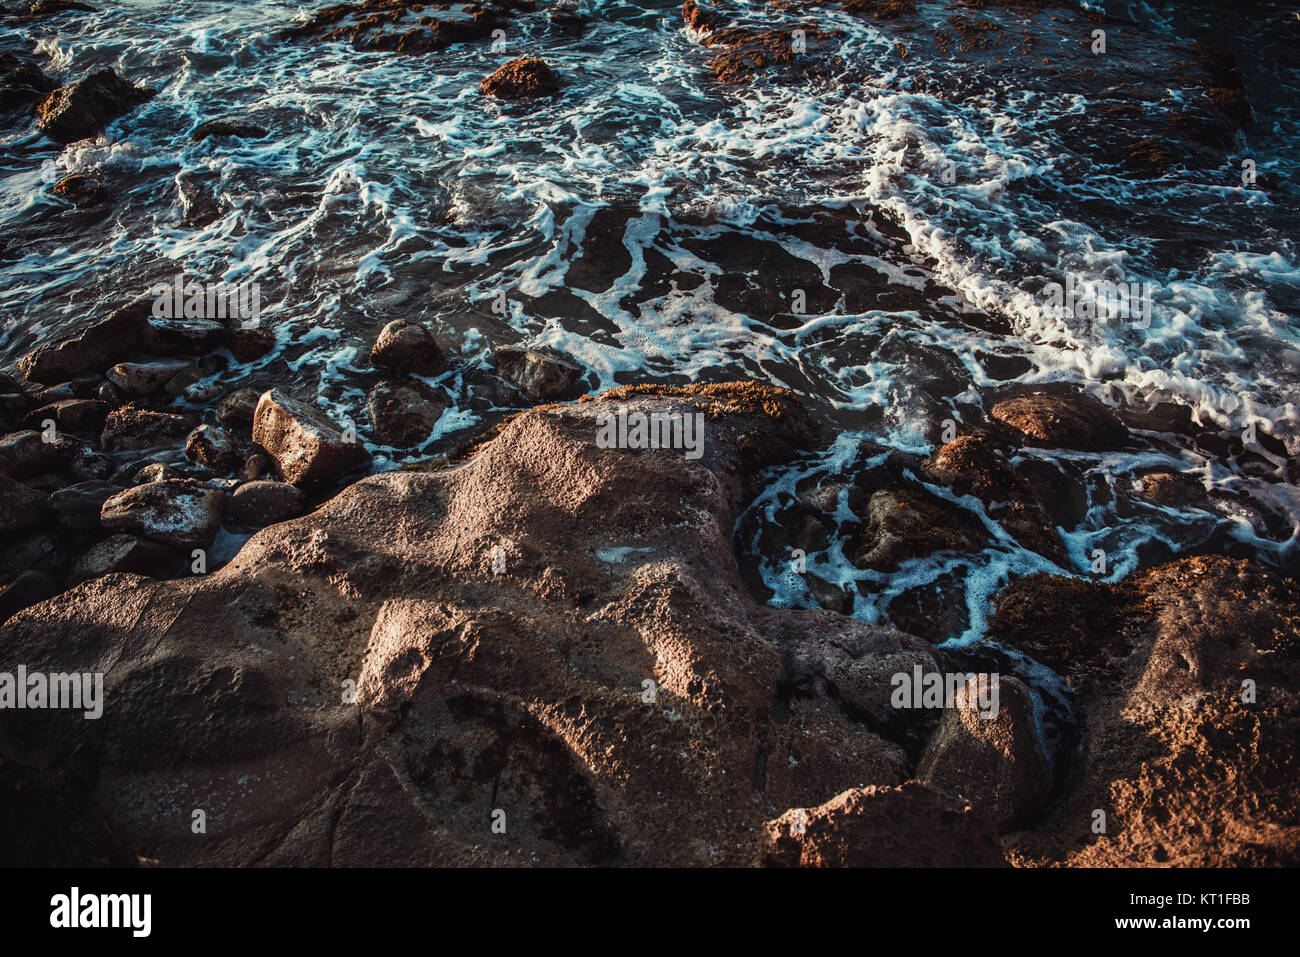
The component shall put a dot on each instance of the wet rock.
(131, 427)
(179, 513)
(13, 406)
(93, 347)
(258, 504)
(20, 506)
(1188, 708)
(1172, 489)
(1061, 422)
(255, 466)
(77, 507)
(404, 414)
(407, 26)
(70, 415)
(22, 591)
(407, 346)
(110, 395)
(155, 472)
(48, 8)
(905, 523)
(534, 676)
(240, 129)
(237, 409)
(308, 448)
(22, 84)
(995, 760)
(25, 453)
(745, 53)
(971, 466)
(81, 189)
(126, 553)
(214, 448)
(142, 378)
(250, 344)
(81, 459)
(82, 109)
(189, 337)
(541, 373)
(521, 79)
(913, 825)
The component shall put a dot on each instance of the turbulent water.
(658, 226)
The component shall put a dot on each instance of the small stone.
(77, 507)
(238, 407)
(403, 414)
(213, 447)
(131, 428)
(178, 513)
(142, 378)
(258, 504)
(82, 109)
(521, 79)
(190, 337)
(125, 553)
(541, 373)
(25, 453)
(308, 448)
(408, 347)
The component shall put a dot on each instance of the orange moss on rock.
(723, 398)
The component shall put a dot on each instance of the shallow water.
(658, 226)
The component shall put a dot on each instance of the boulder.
(179, 513)
(20, 506)
(77, 507)
(238, 407)
(142, 378)
(82, 109)
(90, 348)
(26, 453)
(993, 759)
(126, 553)
(1061, 422)
(541, 373)
(913, 825)
(132, 428)
(260, 503)
(522, 79)
(407, 346)
(214, 448)
(308, 448)
(403, 414)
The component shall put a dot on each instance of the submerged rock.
(241, 129)
(404, 413)
(85, 107)
(1061, 422)
(541, 373)
(81, 189)
(407, 346)
(179, 513)
(308, 448)
(907, 523)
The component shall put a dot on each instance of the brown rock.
(25, 453)
(130, 427)
(307, 447)
(913, 825)
(238, 407)
(91, 348)
(84, 108)
(522, 79)
(81, 189)
(906, 523)
(126, 553)
(142, 378)
(408, 347)
(214, 448)
(1061, 422)
(994, 759)
(1172, 489)
(258, 504)
(540, 373)
(179, 513)
(403, 413)
(20, 506)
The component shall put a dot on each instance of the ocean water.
(659, 226)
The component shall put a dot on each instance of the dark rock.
(179, 513)
(255, 466)
(308, 448)
(238, 407)
(408, 347)
(84, 108)
(81, 189)
(541, 373)
(1172, 489)
(91, 348)
(142, 378)
(25, 453)
(258, 504)
(994, 760)
(130, 427)
(403, 413)
(81, 459)
(914, 825)
(24, 590)
(13, 406)
(189, 337)
(70, 415)
(126, 553)
(215, 448)
(20, 506)
(1061, 422)
(77, 507)
(249, 345)
(522, 79)
(236, 128)
(906, 523)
